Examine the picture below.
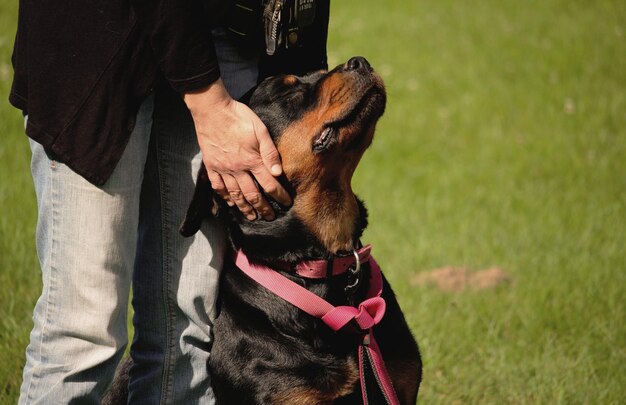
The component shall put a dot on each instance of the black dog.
(267, 351)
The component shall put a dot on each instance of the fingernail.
(276, 170)
(251, 217)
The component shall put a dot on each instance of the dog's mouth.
(370, 106)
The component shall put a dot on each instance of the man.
(115, 152)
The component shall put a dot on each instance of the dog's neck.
(332, 216)
(293, 237)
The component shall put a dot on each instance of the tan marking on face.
(324, 198)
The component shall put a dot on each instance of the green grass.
(503, 144)
(19, 272)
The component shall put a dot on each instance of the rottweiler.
(265, 349)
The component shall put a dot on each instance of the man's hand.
(236, 149)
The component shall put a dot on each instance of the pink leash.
(366, 315)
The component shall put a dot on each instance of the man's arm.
(236, 146)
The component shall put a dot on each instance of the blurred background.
(496, 187)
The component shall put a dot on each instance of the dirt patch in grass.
(455, 279)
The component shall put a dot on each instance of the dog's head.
(321, 123)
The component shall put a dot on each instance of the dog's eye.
(325, 140)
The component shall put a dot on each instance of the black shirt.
(83, 67)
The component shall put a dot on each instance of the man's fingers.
(236, 196)
(271, 186)
(254, 197)
(219, 187)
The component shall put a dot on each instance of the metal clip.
(355, 274)
(357, 261)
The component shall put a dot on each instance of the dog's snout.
(358, 63)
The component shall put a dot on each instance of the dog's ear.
(202, 205)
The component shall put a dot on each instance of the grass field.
(503, 145)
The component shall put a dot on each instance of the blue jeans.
(91, 241)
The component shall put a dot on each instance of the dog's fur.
(265, 350)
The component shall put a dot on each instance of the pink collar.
(366, 315)
(319, 268)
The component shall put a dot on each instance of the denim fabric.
(89, 240)
(86, 246)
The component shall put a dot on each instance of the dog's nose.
(358, 63)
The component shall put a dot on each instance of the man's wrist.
(214, 96)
